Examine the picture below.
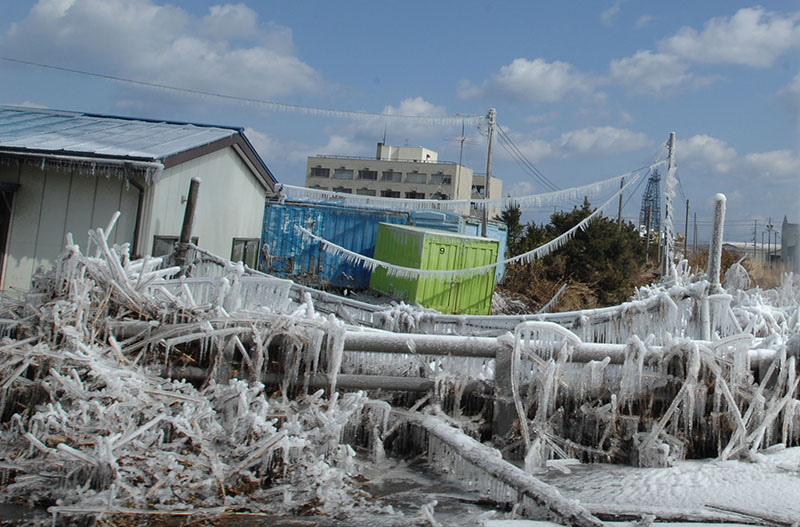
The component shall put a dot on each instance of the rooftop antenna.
(462, 139)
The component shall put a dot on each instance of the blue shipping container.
(495, 230)
(441, 220)
(288, 253)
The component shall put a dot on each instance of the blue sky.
(587, 90)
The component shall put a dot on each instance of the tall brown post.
(188, 220)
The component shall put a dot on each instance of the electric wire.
(538, 173)
(261, 102)
(524, 168)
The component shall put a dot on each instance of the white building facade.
(68, 172)
(398, 172)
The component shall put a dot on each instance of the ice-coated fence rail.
(666, 312)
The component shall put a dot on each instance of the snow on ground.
(770, 483)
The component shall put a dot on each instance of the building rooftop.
(54, 132)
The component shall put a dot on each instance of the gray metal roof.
(58, 132)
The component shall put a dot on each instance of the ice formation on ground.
(124, 388)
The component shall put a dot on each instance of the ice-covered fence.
(683, 310)
(677, 311)
(591, 398)
(234, 291)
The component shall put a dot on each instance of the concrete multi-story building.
(399, 172)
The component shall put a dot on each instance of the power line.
(267, 104)
(520, 156)
(524, 167)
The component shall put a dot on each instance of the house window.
(440, 179)
(390, 194)
(343, 190)
(365, 192)
(164, 245)
(245, 250)
(368, 174)
(416, 177)
(391, 175)
(317, 187)
(415, 195)
(342, 173)
(320, 172)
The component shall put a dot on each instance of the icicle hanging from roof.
(410, 272)
(531, 200)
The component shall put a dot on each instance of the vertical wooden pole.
(619, 213)
(188, 220)
(488, 184)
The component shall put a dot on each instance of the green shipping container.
(436, 250)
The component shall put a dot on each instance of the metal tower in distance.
(651, 203)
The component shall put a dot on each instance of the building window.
(416, 177)
(415, 195)
(342, 173)
(164, 245)
(365, 192)
(391, 175)
(440, 179)
(390, 194)
(368, 174)
(245, 250)
(320, 172)
(343, 190)
(317, 187)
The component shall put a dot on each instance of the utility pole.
(775, 245)
(486, 188)
(686, 233)
(755, 238)
(660, 241)
(188, 220)
(769, 242)
(619, 214)
(647, 234)
(668, 226)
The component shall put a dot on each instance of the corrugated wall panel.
(292, 255)
(496, 231)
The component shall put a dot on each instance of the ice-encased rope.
(410, 272)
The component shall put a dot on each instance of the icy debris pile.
(89, 424)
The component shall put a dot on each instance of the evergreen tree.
(604, 256)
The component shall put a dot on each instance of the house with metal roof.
(68, 172)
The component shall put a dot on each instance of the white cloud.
(535, 80)
(706, 151)
(416, 107)
(596, 141)
(229, 21)
(751, 37)
(600, 141)
(227, 51)
(608, 15)
(791, 95)
(644, 20)
(522, 188)
(267, 147)
(776, 167)
(650, 73)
